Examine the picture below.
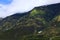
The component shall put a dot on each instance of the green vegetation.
(37, 12)
(31, 26)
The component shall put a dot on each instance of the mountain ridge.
(40, 19)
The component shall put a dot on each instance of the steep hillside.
(40, 22)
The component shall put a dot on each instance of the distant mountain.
(43, 21)
(1, 18)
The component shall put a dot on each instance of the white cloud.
(22, 6)
(45, 2)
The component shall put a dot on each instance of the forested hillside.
(41, 23)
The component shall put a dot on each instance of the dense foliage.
(41, 23)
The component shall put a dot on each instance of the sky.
(9, 7)
(5, 2)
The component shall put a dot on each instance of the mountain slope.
(40, 19)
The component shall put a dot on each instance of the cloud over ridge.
(23, 6)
